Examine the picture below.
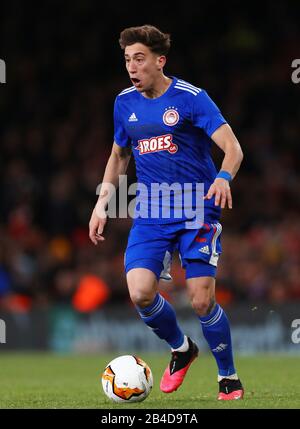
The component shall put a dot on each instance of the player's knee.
(203, 306)
(141, 299)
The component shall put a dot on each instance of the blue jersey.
(170, 140)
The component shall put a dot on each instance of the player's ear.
(161, 61)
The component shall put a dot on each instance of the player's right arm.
(117, 165)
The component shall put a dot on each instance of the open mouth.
(135, 81)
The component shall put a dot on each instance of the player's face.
(143, 66)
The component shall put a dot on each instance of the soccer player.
(169, 126)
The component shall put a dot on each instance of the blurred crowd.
(64, 68)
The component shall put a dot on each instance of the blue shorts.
(151, 247)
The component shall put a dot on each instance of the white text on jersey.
(157, 144)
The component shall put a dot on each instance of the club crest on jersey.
(157, 144)
(171, 117)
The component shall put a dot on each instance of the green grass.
(54, 381)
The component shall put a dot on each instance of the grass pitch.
(54, 381)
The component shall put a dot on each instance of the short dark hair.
(158, 42)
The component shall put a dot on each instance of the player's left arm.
(226, 140)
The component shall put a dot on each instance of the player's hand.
(221, 189)
(96, 226)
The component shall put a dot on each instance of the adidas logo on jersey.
(205, 250)
(132, 118)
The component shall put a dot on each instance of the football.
(127, 379)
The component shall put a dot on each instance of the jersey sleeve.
(120, 135)
(206, 114)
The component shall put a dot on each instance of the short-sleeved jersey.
(170, 140)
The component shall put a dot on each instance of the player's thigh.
(144, 259)
(146, 248)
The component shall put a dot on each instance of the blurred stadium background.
(64, 68)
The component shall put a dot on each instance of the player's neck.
(159, 87)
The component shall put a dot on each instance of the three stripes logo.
(205, 250)
(185, 86)
(132, 118)
(221, 347)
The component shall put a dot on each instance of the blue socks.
(216, 331)
(161, 318)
